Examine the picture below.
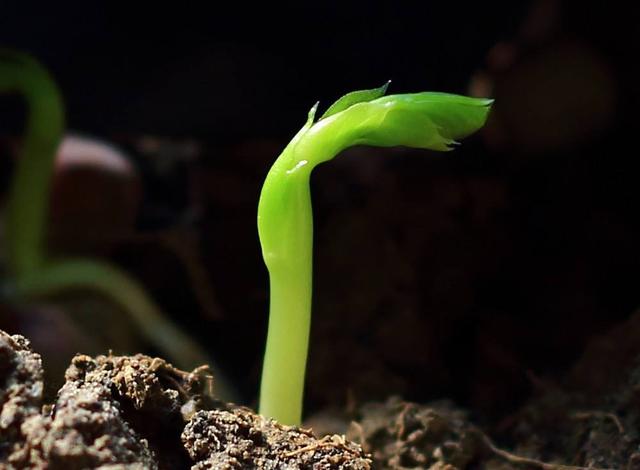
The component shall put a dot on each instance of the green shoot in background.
(285, 220)
(32, 273)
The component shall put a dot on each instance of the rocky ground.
(138, 412)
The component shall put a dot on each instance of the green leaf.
(355, 97)
(422, 120)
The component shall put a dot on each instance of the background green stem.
(119, 287)
(32, 273)
(28, 201)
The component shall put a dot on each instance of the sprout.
(285, 221)
(32, 272)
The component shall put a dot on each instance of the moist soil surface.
(138, 412)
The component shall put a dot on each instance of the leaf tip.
(312, 113)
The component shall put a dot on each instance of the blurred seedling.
(31, 273)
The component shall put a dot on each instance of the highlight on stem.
(425, 120)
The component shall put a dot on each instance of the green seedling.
(31, 272)
(285, 222)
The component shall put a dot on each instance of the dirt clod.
(138, 412)
(239, 439)
(20, 395)
(406, 435)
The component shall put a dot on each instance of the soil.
(590, 421)
(138, 412)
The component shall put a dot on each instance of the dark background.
(242, 69)
(461, 276)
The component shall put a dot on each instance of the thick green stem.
(285, 361)
(289, 260)
(279, 396)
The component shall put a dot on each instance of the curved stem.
(28, 201)
(285, 221)
(290, 280)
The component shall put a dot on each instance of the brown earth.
(137, 412)
(120, 412)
